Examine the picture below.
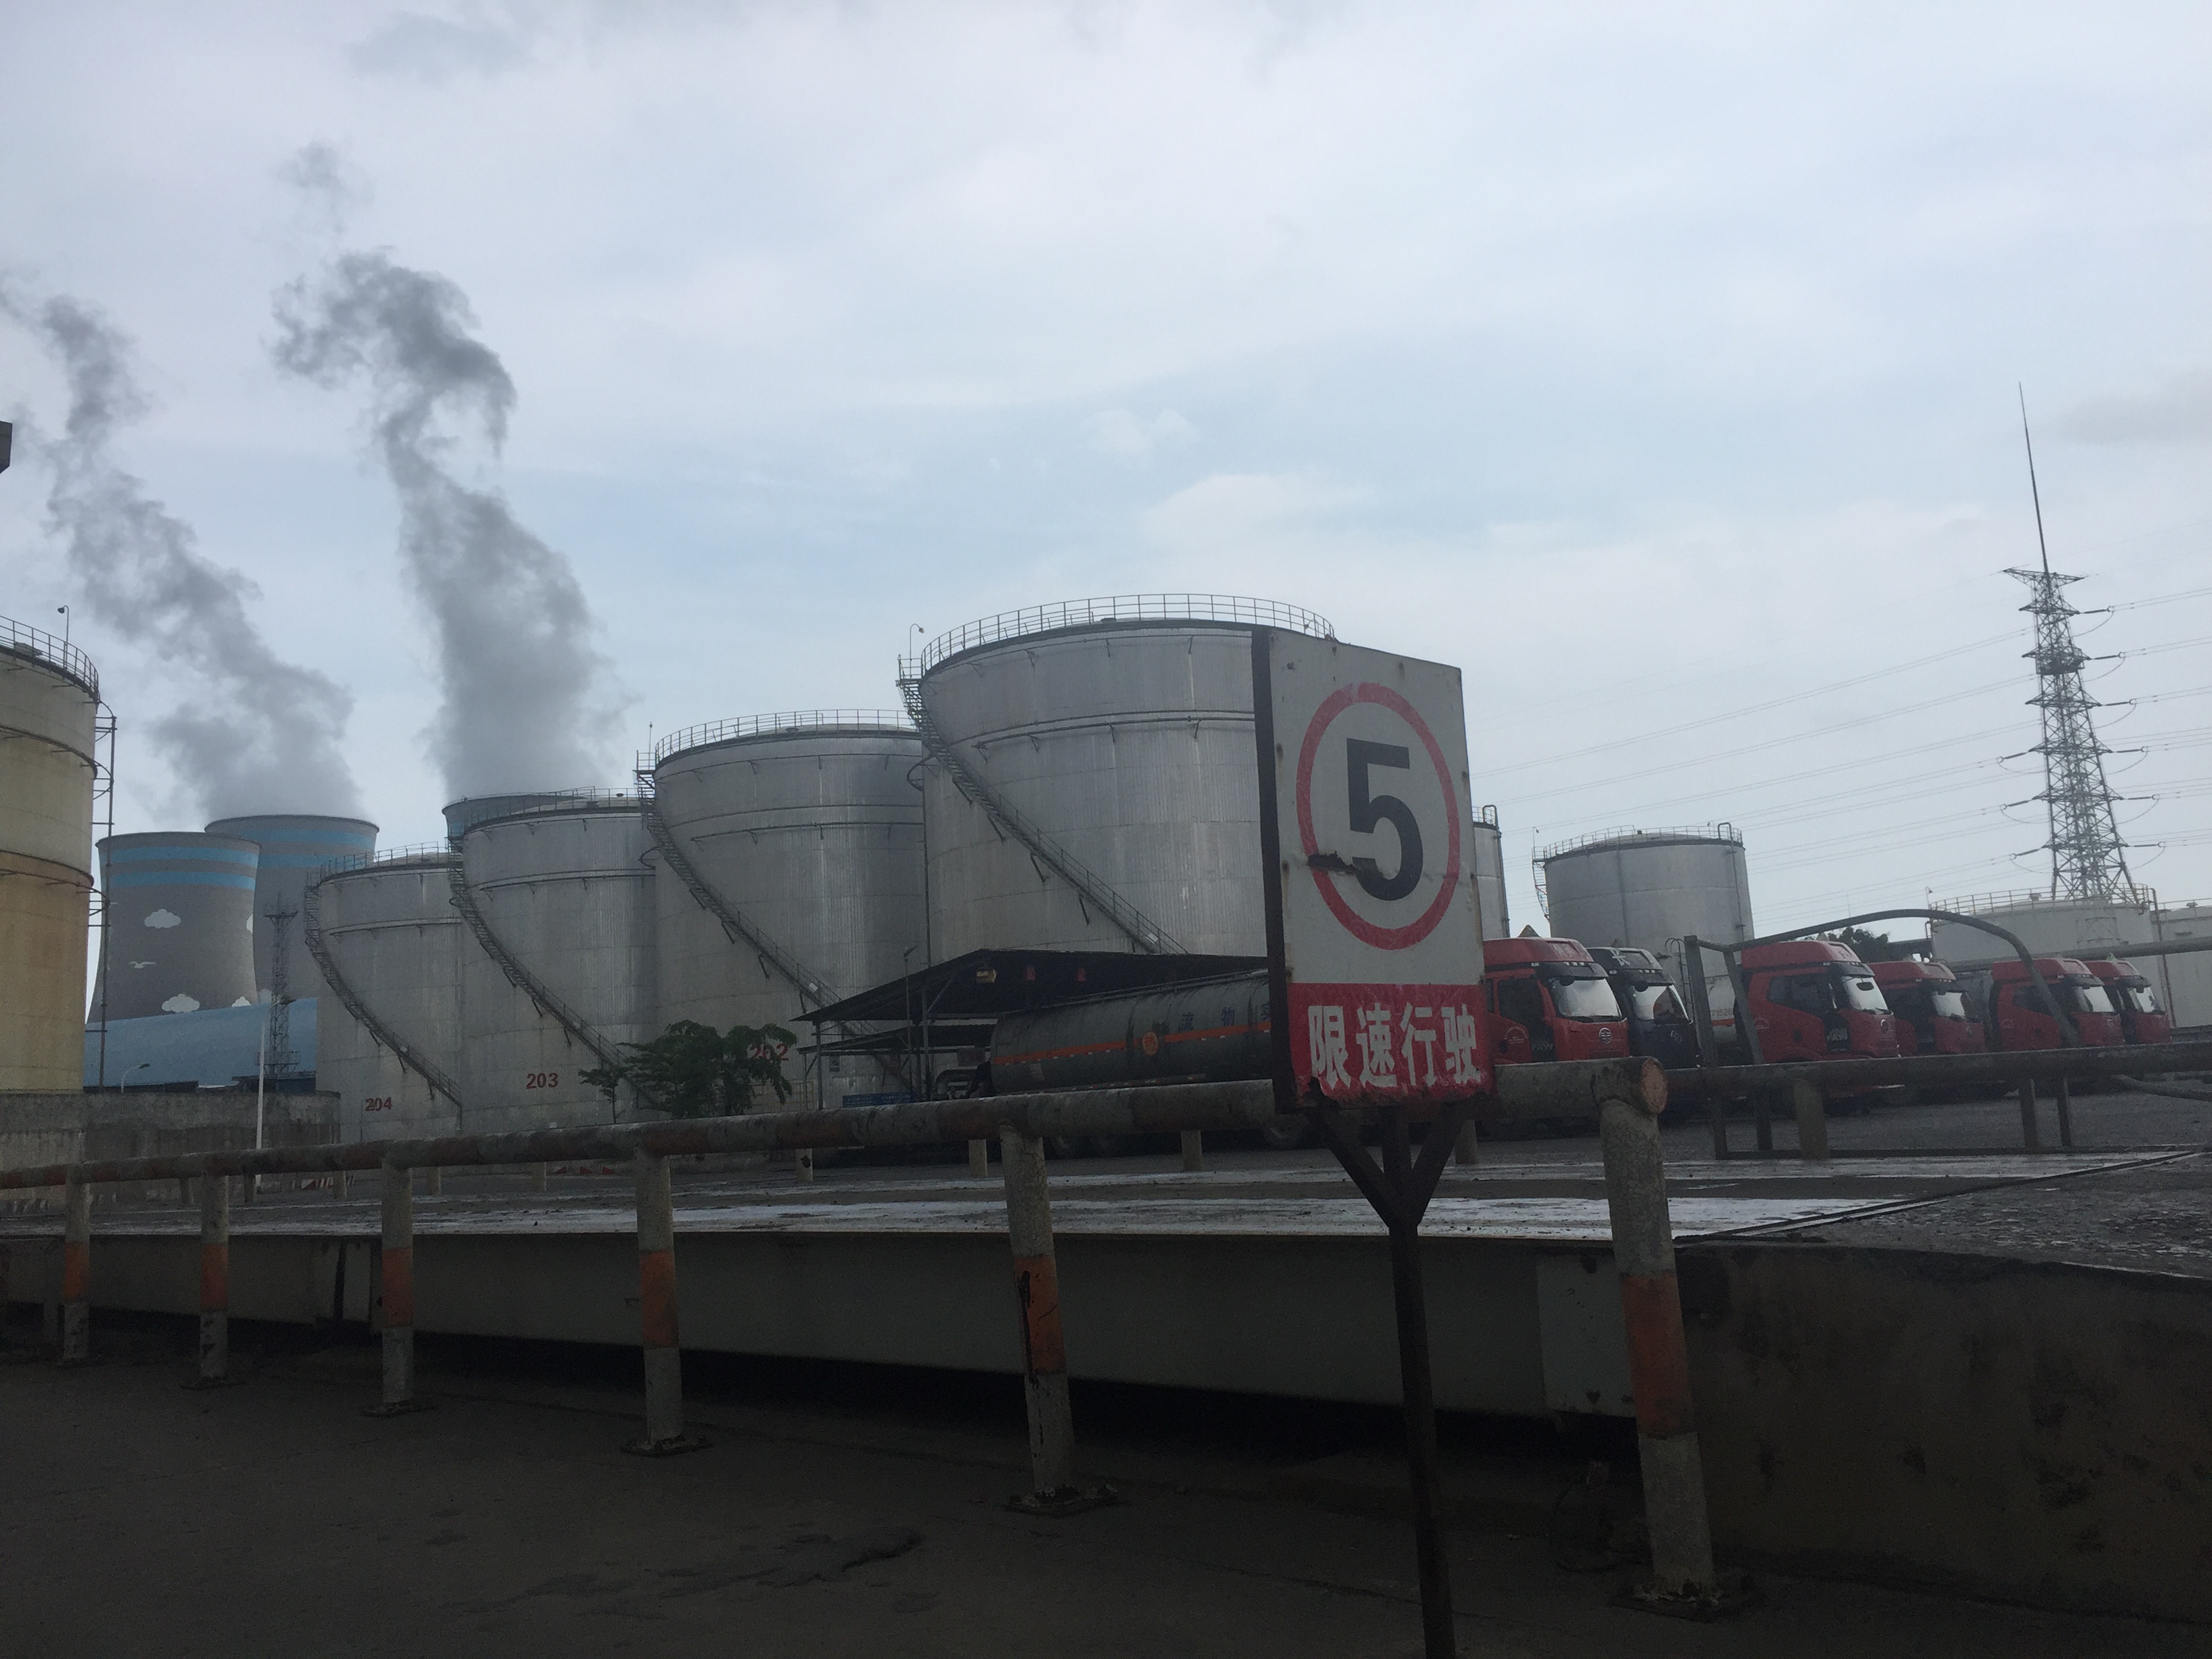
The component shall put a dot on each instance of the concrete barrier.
(2025, 1431)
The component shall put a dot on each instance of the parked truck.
(1812, 999)
(2141, 1020)
(1658, 1024)
(2015, 1016)
(1547, 999)
(1929, 1002)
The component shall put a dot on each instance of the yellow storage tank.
(49, 699)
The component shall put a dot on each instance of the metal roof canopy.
(984, 984)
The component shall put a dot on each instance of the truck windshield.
(1583, 999)
(2089, 998)
(2138, 998)
(1857, 990)
(1654, 1002)
(1948, 1005)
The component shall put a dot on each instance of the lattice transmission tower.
(2088, 860)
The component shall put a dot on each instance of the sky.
(1659, 367)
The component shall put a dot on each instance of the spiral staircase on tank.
(1092, 890)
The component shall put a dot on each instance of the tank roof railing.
(1115, 608)
(422, 852)
(1976, 904)
(1722, 831)
(756, 726)
(22, 640)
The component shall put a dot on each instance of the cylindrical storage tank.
(1489, 866)
(2064, 928)
(179, 923)
(1649, 889)
(392, 933)
(810, 827)
(49, 702)
(566, 891)
(293, 847)
(1121, 729)
(471, 810)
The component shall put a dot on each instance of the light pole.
(63, 611)
(142, 1066)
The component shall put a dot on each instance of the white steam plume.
(258, 734)
(524, 697)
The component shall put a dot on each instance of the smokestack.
(524, 693)
(256, 733)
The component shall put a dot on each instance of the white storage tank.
(293, 847)
(566, 891)
(179, 924)
(1489, 865)
(1120, 730)
(2064, 928)
(389, 927)
(49, 705)
(1648, 888)
(808, 827)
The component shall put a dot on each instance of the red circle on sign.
(1384, 939)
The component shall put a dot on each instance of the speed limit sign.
(1373, 942)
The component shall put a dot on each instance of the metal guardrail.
(439, 852)
(1722, 831)
(21, 640)
(756, 726)
(1120, 607)
(1974, 904)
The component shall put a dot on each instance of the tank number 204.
(541, 1080)
(377, 1104)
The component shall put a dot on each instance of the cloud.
(434, 49)
(2179, 412)
(1126, 435)
(328, 182)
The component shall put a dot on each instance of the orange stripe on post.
(1658, 1360)
(656, 1284)
(214, 1278)
(1044, 1347)
(399, 1287)
(77, 1272)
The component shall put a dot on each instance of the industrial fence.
(21, 640)
(1116, 608)
(757, 725)
(1624, 1097)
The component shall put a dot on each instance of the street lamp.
(142, 1066)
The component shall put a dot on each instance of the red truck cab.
(1812, 999)
(1929, 1002)
(2018, 1019)
(1547, 999)
(2141, 1020)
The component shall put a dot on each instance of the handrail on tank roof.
(1113, 608)
(22, 640)
(1723, 831)
(1976, 905)
(754, 725)
(439, 852)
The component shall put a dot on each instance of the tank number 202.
(541, 1080)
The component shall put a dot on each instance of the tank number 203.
(541, 1080)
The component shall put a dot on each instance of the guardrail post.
(2064, 1094)
(1682, 1574)
(979, 1159)
(397, 1283)
(1467, 1147)
(656, 1306)
(214, 1283)
(1193, 1151)
(2031, 1137)
(537, 1177)
(1812, 1108)
(1762, 1117)
(433, 1181)
(77, 1272)
(1053, 1490)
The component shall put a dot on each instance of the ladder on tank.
(578, 1028)
(311, 929)
(1091, 888)
(812, 988)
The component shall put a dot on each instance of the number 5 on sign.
(1373, 945)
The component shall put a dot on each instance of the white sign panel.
(1373, 903)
